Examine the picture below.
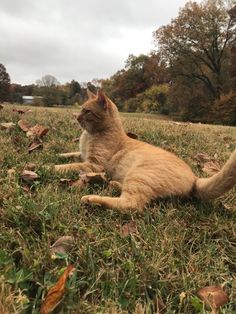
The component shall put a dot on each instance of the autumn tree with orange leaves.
(196, 46)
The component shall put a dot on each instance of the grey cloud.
(76, 39)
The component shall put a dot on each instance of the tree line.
(191, 75)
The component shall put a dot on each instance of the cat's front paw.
(91, 199)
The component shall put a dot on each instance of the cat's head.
(98, 113)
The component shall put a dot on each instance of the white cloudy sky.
(75, 39)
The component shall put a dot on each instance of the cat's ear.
(102, 99)
(90, 94)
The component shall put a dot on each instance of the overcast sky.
(74, 39)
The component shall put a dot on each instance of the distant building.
(33, 100)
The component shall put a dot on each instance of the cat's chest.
(93, 148)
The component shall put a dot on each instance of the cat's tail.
(218, 184)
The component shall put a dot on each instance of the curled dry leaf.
(129, 228)
(211, 167)
(7, 125)
(208, 164)
(93, 178)
(227, 138)
(62, 245)
(23, 125)
(36, 144)
(37, 131)
(213, 296)
(20, 111)
(201, 158)
(56, 293)
(132, 135)
(28, 175)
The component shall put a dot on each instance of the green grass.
(181, 245)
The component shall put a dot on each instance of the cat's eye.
(86, 111)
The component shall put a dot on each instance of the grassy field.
(179, 245)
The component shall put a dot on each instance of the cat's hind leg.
(136, 194)
(125, 203)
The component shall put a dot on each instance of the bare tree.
(48, 81)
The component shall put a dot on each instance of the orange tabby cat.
(143, 172)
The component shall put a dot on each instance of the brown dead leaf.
(209, 164)
(20, 111)
(7, 126)
(201, 158)
(128, 228)
(28, 175)
(227, 138)
(132, 135)
(211, 167)
(38, 131)
(56, 293)
(93, 178)
(36, 144)
(1, 107)
(23, 125)
(213, 296)
(62, 245)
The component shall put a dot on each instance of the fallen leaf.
(209, 164)
(35, 145)
(211, 167)
(56, 293)
(93, 178)
(128, 228)
(213, 296)
(62, 245)
(37, 131)
(7, 125)
(1, 107)
(20, 111)
(132, 135)
(28, 175)
(23, 125)
(227, 138)
(201, 158)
